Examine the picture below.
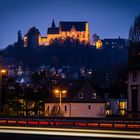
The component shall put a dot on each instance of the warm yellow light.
(123, 105)
(99, 44)
(122, 112)
(56, 91)
(108, 112)
(64, 91)
(3, 71)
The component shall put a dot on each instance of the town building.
(134, 89)
(116, 107)
(75, 99)
(115, 43)
(134, 79)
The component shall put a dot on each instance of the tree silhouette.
(20, 40)
(134, 42)
(134, 33)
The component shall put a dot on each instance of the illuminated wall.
(43, 41)
(51, 37)
(25, 41)
(99, 44)
(82, 36)
(78, 109)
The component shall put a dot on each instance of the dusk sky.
(107, 18)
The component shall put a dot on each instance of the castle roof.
(67, 26)
(33, 31)
(53, 30)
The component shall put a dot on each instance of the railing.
(73, 122)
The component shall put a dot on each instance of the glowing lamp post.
(3, 71)
(60, 93)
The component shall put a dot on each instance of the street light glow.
(64, 91)
(61, 94)
(56, 91)
(3, 70)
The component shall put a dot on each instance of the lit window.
(81, 95)
(94, 95)
(122, 112)
(108, 112)
(123, 105)
(134, 75)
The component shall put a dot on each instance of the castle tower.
(53, 24)
(32, 37)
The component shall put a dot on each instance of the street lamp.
(60, 93)
(3, 71)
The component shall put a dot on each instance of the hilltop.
(104, 62)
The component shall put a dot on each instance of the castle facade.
(75, 30)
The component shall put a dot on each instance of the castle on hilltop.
(75, 30)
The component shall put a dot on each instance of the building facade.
(75, 30)
(79, 100)
(82, 109)
(134, 89)
(115, 43)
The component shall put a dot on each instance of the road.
(68, 132)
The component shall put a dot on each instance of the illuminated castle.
(74, 30)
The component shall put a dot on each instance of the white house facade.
(77, 109)
(79, 100)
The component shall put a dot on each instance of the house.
(134, 89)
(78, 98)
(116, 105)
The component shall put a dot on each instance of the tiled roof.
(73, 88)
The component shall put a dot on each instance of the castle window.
(134, 75)
(94, 95)
(81, 95)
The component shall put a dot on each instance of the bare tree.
(134, 33)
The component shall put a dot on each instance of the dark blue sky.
(107, 18)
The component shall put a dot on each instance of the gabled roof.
(67, 26)
(73, 88)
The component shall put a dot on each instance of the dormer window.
(81, 95)
(94, 95)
